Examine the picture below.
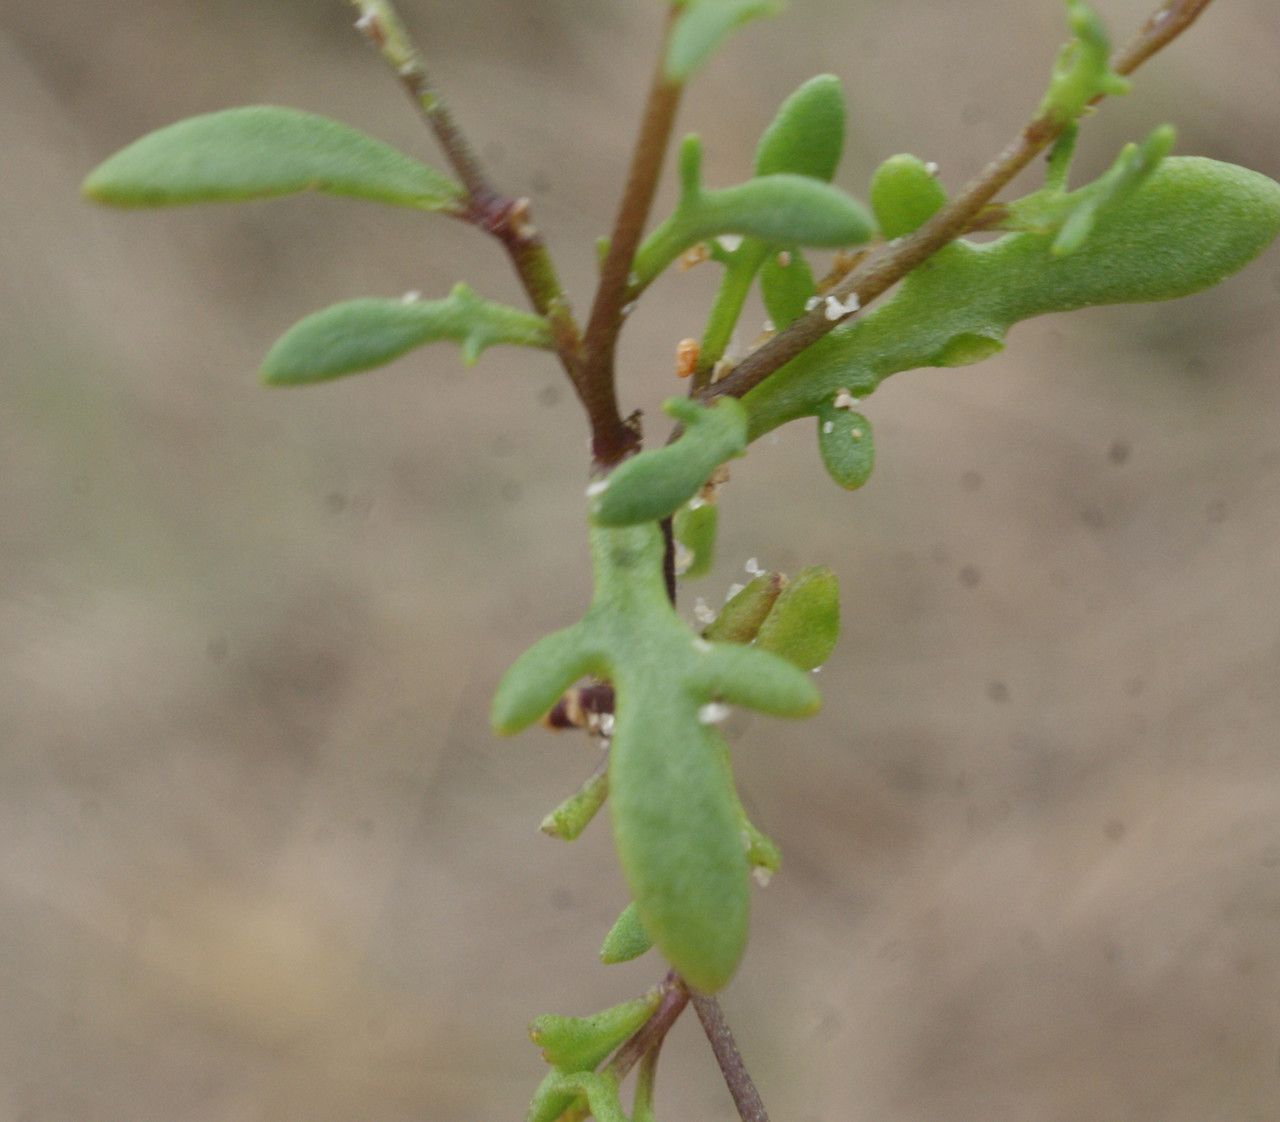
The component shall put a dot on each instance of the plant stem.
(745, 1096)
(675, 996)
(607, 314)
(507, 219)
(882, 270)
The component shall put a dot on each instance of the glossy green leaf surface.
(655, 483)
(262, 151)
(804, 623)
(783, 209)
(1191, 223)
(363, 334)
(675, 813)
(627, 938)
(701, 27)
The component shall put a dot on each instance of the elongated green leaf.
(677, 822)
(572, 816)
(261, 151)
(627, 938)
(656, 483)
(701, 27)
(781, 209)
(746, 609)
(1188, 225)
(806, 137)
(363, 334)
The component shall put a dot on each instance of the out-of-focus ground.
(260, 858)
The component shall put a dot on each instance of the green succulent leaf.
(746, 609)
(553, 1097)
(904, 195)
(627, 938)
(262, 151)
(676, 816)
(572, 816)
(783, 209)
(702, 26)
(1083, 69)
(571, 1044)
(1073, 215)
(654, 484)
(1189, 224)
(847, 445)
(363, 334)
(786, 286)
(805, 622)
(560, 1091)
(806, 137)
(694, 527)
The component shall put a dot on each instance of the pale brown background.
(260, 858)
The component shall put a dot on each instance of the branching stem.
(506, 218)
(882, 270)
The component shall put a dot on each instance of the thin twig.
(745, 1096)
(608, 308)
(881, 271)
(675, 996)
(506, 218)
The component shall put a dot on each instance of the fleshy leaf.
(262, 151)
(655, 483)
(904, 195)
(701, 27)
(805, 622)
(363, 334)
(627, 938)
(1083, 69)
(806, 136)
(552, 1098)
(783, 209)
(572, 1044)
(695, 530)
(676, 817)
(572, 816)
(786, 284)
(746, 609)
(847, 445)
(1191, 223)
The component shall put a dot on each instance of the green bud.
(627, 938)
(904, 195)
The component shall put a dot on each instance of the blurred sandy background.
(260, 858)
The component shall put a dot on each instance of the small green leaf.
(806, 137)
(758, 678)
(363, 334)
(627, 938)
(572, 816)
(784, 209)
(552, 1098)
(746, 609)
(847, 446)
(805, 622)
(1083, 68)
(262, 151)
(695, 529)
(786, 285)
(904, 195)
(654, 484)
(538, 678)
(701, 27)
(572, 1044)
